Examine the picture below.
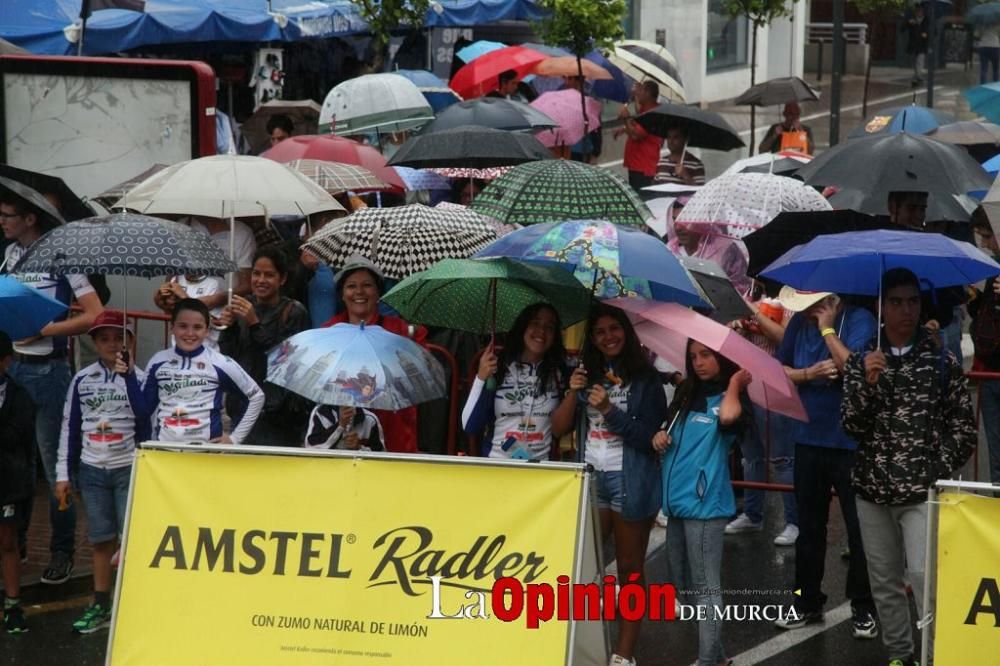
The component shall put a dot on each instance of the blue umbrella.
(913, 119)
(434, 89)
(854, 262)
(988, 14)
(421, 179)
(476, 49)
(24, 311)
(356, 366)
(611, 259)
(985, 100)
(992, 166)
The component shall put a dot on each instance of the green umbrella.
(557, 190)
(486, 295)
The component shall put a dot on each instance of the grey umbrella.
(778, 91)
(469, 146)
(729, 305)
(491, 112)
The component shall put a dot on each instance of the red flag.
(90, 6)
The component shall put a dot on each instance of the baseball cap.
(111, 319)
(797, 301)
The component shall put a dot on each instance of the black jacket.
(17, 445)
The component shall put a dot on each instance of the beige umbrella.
(304, 114)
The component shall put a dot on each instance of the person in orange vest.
(790, 134)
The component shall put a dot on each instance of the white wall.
(684, 21)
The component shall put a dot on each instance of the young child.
(17, 482)
(184, 386)
(326, 432)
(96, 448)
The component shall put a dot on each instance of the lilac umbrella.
(564, 107)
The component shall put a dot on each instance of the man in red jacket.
(642, 149)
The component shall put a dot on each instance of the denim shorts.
(105, 497)
(610, 490)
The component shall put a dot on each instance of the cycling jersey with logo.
(604, 446)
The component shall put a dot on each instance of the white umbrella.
(374, 102)
(737, 204)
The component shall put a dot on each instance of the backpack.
(985, 329)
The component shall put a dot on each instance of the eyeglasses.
(7, 216)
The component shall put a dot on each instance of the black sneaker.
(863, 624)
(59, 569)
(13, 620)
(796, 619)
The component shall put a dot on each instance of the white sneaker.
(742, 523)
(617, 660)
(661, 520)
(787, 536)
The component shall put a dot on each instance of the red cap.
(110, 319)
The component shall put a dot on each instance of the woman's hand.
(740, 380)
(662, 441)
(598, 399)
(487, 364)
(243, 309)
(578, 380)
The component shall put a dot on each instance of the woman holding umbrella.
(625, 406)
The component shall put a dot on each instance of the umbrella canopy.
(778, 91)
(304, 114)
(422, 179)
(24, 310)
(705, 129)
(783, 163)
(874, 166)
(487, 295)
(26, 195)
(968, 133)
(331, 148)
(109, 197)
(337, 178)
(666, 327)
(854, 262)
(729, 305)
(487, 174)
(221, 186)
(358, 366)
(567, 66)
(478, 49)
(644, 60)
(403, 240)
(71, 205)
(566, 109)
(985, 100)
(490, 112)
(553, 190)
(985, 14)
(743, 202)
(469, 146)
(125, 244)
(610, 259)
(991, 205)
(374, 102)
(913, 119)
(434, 89)
(481, 75)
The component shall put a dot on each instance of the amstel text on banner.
(967, 618)
(248, 558)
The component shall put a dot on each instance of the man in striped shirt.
(680, 166)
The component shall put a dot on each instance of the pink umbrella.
(564, 107)
(665, 328)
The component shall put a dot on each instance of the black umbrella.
(72, 206)
(778, 91)
(492, 112)
(787, 230)
(872, 167)
(469, 146)
(729, 305)
(705, 129)
(48, 215)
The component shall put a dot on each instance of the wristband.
(827, 331)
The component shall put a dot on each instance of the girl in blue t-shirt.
(705, 419)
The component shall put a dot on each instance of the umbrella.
(744, 202)
(331, 148)
(985, 100)
(666, 327)
(119, 192)
(874, 166)
(7, 48)
(644, 60)
(47, 214)
(481, 75)
(565, 108)
(913, 119)
(985, 14)
(968, 133)
(402, 240)
(992, 166)
(337, 178)
(705, 129)
(778, 91)
(304, 114)
(478, 49)
(374, 102)
(610, 259)
(787, 230)
(71, 206)
(434, 89)
(729, 305)
(941, 206)
(359, 366)
(490, 112)
(991, 205)
(553, 190)
(486, 295)
(488, 173)
(783, 163)
(567, 66)
(422, 179)
(469, 146)
(24, 311)
(854, 262)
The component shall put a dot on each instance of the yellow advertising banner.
(967, 618)
(248, 558)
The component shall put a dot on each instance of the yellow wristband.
(827, 331)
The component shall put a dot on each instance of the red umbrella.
(330, 148)
(481, 75)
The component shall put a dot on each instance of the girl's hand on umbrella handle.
(487, 364)
(123, 363)
(347, 417)
(598, 399)
(740, 380)
(578, 380)
(875, 365)
(662, 441)
(226, 319)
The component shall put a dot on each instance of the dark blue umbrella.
(912, 118)
(24, 311)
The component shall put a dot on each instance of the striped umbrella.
(336, 178)
(645, 60)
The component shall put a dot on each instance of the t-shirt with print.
(523, 414)
(605, 447)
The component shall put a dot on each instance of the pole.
(79, 43)
(753, 82)
(838, 70)
(927, 613)
(931, 49)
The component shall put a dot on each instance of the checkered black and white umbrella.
(403, 240)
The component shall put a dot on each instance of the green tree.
(384, 16)
(760, 13)
(874, 11)
(580, 26)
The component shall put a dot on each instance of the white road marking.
(784, 640)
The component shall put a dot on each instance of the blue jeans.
(694, 553)
(47, 384)
(782, 457)
(610, 490)
(105, 498)
(989, 396)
